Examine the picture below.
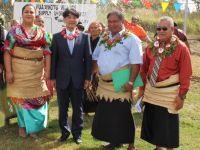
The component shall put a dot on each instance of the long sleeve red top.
(179, 62)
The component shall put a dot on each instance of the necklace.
(70, 37)
(167, 50)
(110, 43)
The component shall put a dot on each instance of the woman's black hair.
(71, 11)
(31, 5)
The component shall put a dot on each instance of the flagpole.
(185, 16)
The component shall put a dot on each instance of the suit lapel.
(65, 45)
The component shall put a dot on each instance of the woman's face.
(95, 29)
(28, 14)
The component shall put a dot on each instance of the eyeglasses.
(135, 20)
(161, 28)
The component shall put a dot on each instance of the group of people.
(73, 61)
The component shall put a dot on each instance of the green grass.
(189, 130)
(189, 127)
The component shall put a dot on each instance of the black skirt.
(89, 106)
(159, 127)
(113, 122)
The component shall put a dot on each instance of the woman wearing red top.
(26, 54)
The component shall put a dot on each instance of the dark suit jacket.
(66, 66)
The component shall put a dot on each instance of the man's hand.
(178, 103)
(9, 77)
(127, 87)
(53, 83)
(1, 68)
(87, 84)
(140, 92)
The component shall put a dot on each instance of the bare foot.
(34, 135)
(22, 132)
(131, 147)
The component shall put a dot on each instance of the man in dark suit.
(71, 73)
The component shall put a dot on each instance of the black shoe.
(77, 140)
(64, 137)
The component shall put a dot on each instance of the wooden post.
(185, 16)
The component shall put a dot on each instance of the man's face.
(164, 30)
(71, 21)
(134, 21)
(114, 24)
(39, 21)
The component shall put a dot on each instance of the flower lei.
(73, 36)
(167, 50)
(108, 43)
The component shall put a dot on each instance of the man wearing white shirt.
(117, 50)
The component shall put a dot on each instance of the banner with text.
(52, 13)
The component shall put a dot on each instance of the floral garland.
(73, 36)
(108, 43)
(167, 50)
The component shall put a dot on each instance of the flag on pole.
(136, 3)
(147, 4)
(177, 6)
(114, 1)
(6, 2)
(41, 1)
(32, 1)
(104, 2)
(164, 6)
(94, 1)
(125, 1)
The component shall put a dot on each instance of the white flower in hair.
(156, 44)
(160, 50)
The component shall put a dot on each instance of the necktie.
(155, 70)
(70, 43)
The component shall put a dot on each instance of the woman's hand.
(9, 77)
(46, 76)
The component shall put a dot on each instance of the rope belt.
(24, 58)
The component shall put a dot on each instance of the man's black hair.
(71, 11)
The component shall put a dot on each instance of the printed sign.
(52, 13)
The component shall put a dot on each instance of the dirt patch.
(195, 78)
(194, 45)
